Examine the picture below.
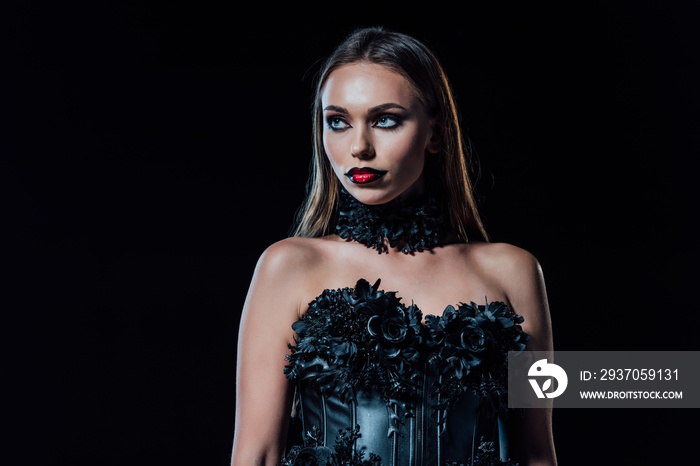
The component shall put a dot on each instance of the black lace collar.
(419, 223)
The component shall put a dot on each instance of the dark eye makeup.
(335, 123)
(386, 121)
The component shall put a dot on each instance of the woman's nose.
(361, 147)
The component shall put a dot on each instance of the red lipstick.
(364, 175)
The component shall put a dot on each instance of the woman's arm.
(528, 297)
(263, 394)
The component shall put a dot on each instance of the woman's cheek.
(331, 146)
(407, 152)
(406, 142)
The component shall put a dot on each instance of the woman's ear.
(435, 141)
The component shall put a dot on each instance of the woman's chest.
(430, 280)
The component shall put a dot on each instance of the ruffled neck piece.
(419, 223)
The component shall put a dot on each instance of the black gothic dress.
(377, 386)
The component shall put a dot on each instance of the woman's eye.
(336, 124)
(387, 122)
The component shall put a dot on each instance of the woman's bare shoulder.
(293, 262)
(281, 279)
(515, 269)
(503, 257)
(291, 253)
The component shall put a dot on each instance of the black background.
(154, 149)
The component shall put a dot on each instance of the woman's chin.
(378, 193)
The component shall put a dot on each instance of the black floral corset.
(376, 386)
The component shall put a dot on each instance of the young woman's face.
(376, 132)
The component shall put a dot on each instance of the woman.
(385, 363)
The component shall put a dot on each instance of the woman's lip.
(364, 175)
(362, 178)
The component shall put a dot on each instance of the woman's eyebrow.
(387, 106)
(378, 108)
(335, 108)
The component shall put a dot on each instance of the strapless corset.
(377, 386)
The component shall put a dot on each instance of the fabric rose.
(395, 329)
(394, 333)
(471, 336)
(459, 339)
(344, 453)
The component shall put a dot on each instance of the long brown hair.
(446, 173)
